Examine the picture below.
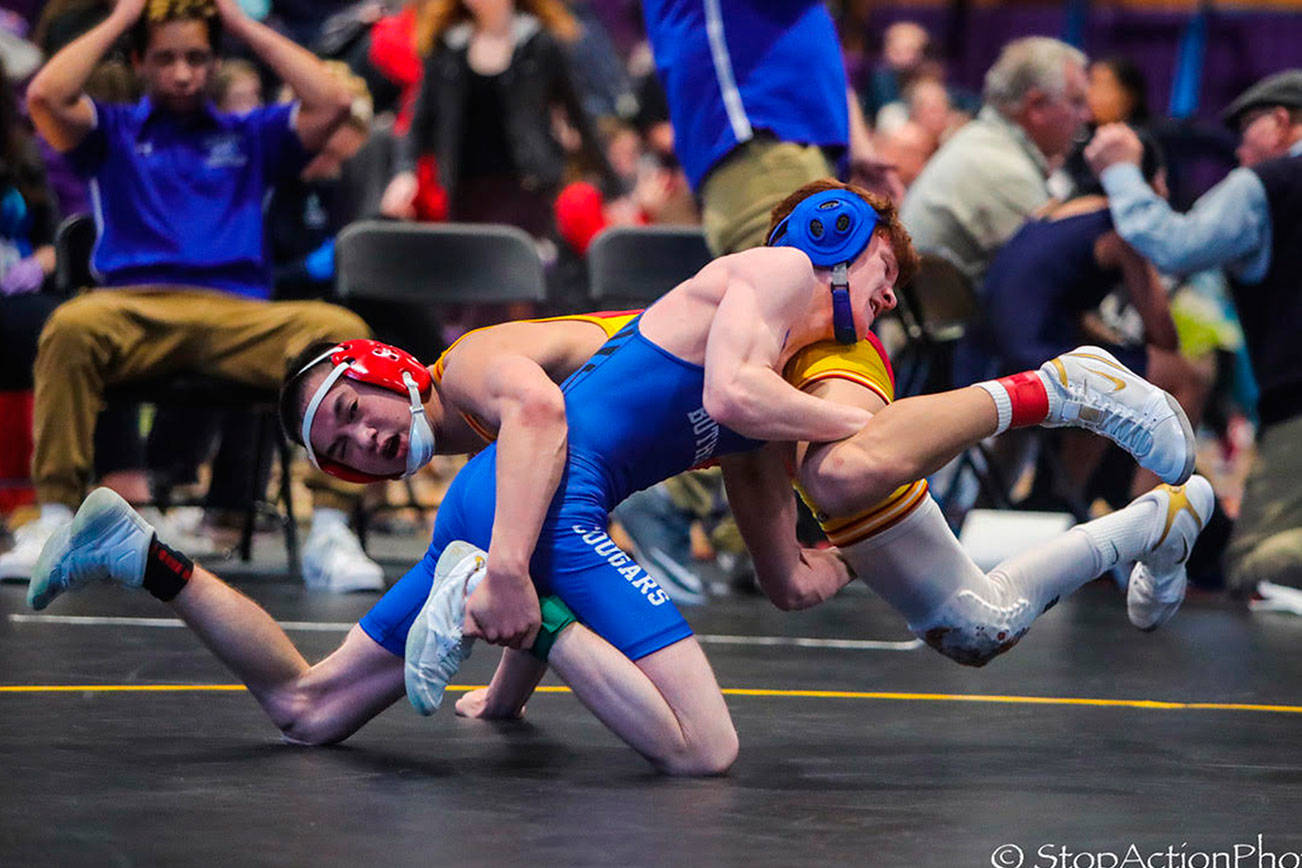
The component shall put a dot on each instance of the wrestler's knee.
(305, 717)
(707, 756)
(847, 477)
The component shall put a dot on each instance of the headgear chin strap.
(831, 228)
(387, 367)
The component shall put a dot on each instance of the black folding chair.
(74, 241)
(635, 265)
(438, 263)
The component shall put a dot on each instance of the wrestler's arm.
(743, 390)
(513, 393)
(759, 492)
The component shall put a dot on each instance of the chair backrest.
(940, 301)
(438, 262)
(641, 263)
(74, 241)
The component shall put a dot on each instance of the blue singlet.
(635, 418)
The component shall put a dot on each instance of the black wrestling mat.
(1088, 744)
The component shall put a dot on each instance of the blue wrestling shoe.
(1158, 580)
(106, 541)
(1088, 388)
(435, 648)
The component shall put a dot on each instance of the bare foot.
(475, 704)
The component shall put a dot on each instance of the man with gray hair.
(981, 186)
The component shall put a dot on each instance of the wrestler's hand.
(503, 610)
(822, 574)
(478, 704)
(1113, 144)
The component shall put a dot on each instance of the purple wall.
(1243, 46)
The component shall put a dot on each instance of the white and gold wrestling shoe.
(1088, 388)
(1157, 582)
(435, 647)
(106, 541)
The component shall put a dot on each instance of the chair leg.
(289, 522)
(261, 457)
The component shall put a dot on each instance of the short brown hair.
(160, 12)
(888, 221)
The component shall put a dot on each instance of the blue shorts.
(575, 560)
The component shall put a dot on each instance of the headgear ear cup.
(831, 228)
(385, 366)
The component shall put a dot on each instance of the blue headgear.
(831, 228)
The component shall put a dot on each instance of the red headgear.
(377, 364)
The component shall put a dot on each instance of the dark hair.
(160, 12)
(888, 222)
(1132, 81)
(1085, 183)
(290, 403)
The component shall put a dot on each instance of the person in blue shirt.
(760, 104)
(1251, 225)
(177, 190)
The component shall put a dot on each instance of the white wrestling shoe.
(435, 648)
(1088, 388)
(29, 539)
(106, 541)
(333, 561)
(1157, 582)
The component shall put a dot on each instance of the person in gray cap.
(1250, 224)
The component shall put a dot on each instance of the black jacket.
(537, 78)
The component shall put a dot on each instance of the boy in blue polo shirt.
(177, 189)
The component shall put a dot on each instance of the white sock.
(324, 517)
(1122, 536)
(52, 512)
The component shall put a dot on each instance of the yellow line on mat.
(1159, 705)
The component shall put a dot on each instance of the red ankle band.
(166, 570)
(1029, 399)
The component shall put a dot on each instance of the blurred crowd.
(1045, 188)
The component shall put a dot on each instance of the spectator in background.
(180, 246)
(306, 213)
(493, 75)
(648, 191)
(1050, 276)
(907, 147)
(758, 113)
(27, 213)
(1117, 93)
(1250, 224)
(926, 103)
(27, 220)
(984, 183)
(237, 87)
(904, 54)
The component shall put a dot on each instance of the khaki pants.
(739, 193)
(111, 336)
(1267, 540)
